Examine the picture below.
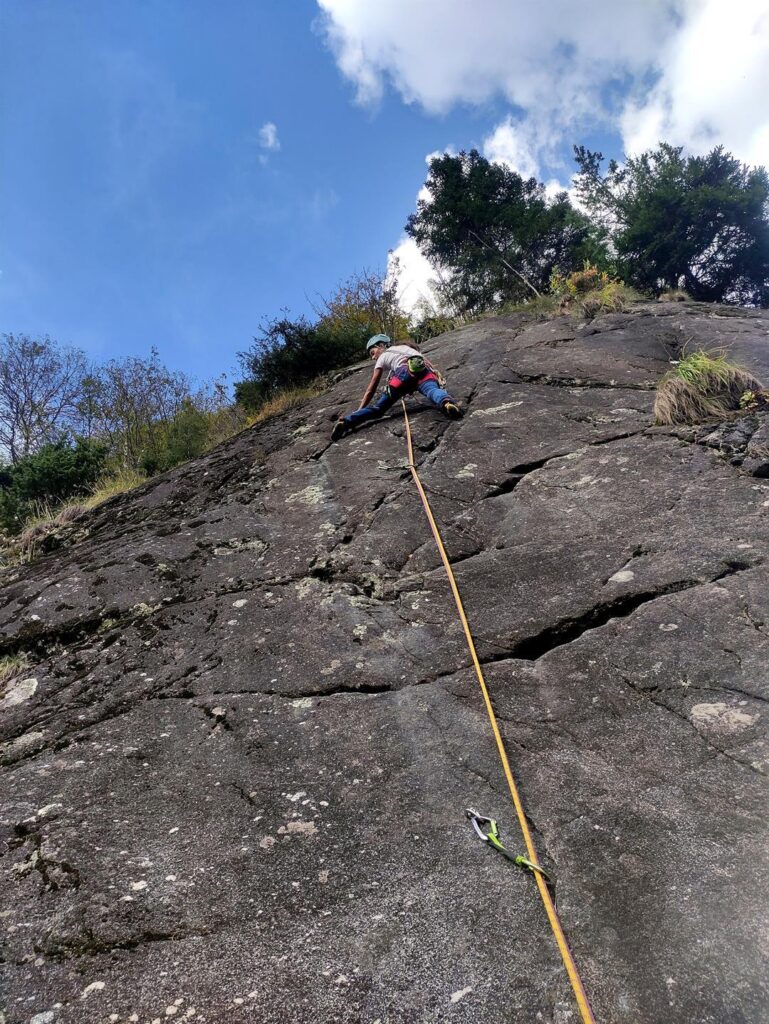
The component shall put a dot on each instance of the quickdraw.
(492, 837)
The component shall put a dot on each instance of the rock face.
(237, 762)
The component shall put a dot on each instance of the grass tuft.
(701, 387)
(11, 666)
(282, 402)
(108, 486)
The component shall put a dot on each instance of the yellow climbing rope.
(552, 914)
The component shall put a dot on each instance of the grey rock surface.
(235, 771)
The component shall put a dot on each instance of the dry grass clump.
(674, 295)
(543, 304)
(282, 402)
(701, 387)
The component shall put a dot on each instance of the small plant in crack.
(11, 667)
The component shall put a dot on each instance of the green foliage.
(291, 353)
(752, 399)
(431, 325)
(184, 437)
(54, 473)
(702, 220)
(494, 236)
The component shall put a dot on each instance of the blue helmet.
(378, 339)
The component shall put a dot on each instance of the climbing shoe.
(452, 410)
(341, 427)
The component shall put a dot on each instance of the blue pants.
(401, 383)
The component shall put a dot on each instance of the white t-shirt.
(395, 356)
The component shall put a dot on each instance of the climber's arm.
(371, 389)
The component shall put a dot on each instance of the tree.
(702, 219)
(131, 400)
(291, 353)
(40, 387)
(367, 302)
(493, 236)
(285, 354)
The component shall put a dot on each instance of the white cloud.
(698, 71)
(508, 145)
(416, 275)
(268, 136)
(714, 86)
(268, 139)
(541, 57)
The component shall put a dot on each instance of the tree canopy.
(700, 220)
(41, 385)
(493, 235)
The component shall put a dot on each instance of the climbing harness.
(536, 868)
(479, 821)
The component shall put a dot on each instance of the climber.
(407, 370)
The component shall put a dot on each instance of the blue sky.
(140, 205)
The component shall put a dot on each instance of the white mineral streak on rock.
(721, 718)
(239, 603)
(301, 828)
(18, 691)
(48, 809)
(456, 996)
(497, 408)
(95, 986)
(43, 1018)
(138, 886)
(302, 702)
(668, 627)
(623, 576)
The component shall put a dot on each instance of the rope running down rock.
(552, 914)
